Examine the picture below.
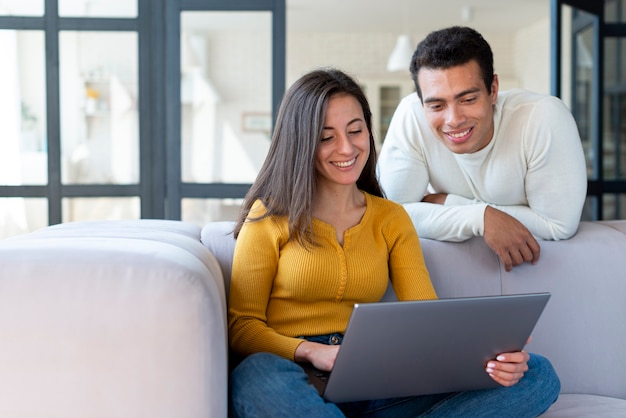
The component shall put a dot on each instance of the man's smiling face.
(458, 107)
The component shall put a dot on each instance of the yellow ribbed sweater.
(280, 290)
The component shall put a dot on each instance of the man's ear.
(495, 85)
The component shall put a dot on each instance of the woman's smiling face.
(344, 147)
(458, 107)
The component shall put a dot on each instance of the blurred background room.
(127, 109)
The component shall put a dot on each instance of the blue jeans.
(268, 386)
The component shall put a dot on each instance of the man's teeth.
(459, 134)
(346, 163)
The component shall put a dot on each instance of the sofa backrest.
(218, 238)
(581, 330)
(457, 269)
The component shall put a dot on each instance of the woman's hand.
(508, 368)
(321, 356)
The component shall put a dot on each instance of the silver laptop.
(393, 349)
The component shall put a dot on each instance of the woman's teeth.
(345, 163)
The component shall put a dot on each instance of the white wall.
(532, 56)
(521, 59)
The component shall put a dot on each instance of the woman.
(314, 237)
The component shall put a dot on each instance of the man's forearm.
(447, 223)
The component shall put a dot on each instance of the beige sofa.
(128, 318)
(582, 329)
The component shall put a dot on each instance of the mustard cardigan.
(280, 290)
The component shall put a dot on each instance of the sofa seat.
(587, 406)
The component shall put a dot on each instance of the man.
(466, 159)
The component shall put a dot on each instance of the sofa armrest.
(113, 318)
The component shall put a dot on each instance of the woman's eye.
(327, 138)
(358, 131)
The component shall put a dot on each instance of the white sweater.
(533, 169)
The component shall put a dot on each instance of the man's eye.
(435, 107)
(470, 100)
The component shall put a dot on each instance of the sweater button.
(334, 340)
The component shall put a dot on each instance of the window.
(593, 53)
(107, 118)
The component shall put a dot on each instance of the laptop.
(394, 349)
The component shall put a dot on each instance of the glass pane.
(619, 51)
(98, 8)
(226, 95)
(610, 11)
(99, 118)
(390, 96)
(203, 211)
(614, 153)
(20, 215)
(583, 95)
(23, 160)
(612, 58)
(100, 208)
(614, 206)
(21, 7)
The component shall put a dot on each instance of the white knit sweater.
(533, 169)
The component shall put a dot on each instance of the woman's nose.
(344, 144)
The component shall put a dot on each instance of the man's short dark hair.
(449, 47)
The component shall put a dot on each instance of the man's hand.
(438, 198)
(509, 239)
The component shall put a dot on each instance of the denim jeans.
(268, 386)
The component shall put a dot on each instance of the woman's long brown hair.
(286, 183)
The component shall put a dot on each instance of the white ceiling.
(490, 17)
(415, 16)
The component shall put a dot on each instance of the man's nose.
(455, 116)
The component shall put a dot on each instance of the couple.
(316, 234)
